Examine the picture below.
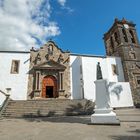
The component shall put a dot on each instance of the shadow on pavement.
(67, 119)
(135, 136)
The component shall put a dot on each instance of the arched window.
(112, 43)
(116, 37)
(124, 35)
(132, 36)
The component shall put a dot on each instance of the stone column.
(37, 84)
(61, 80)
(61, 90)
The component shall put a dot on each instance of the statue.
(99, 72)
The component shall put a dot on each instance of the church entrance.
(49, 91)
(49, 87)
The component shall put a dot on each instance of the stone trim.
(37, 86)
(15, 66)
(61, 81)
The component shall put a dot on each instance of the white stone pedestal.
(103, 113)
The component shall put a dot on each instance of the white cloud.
(23, 23)
(63, 5)
(62, 2)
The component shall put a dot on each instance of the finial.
(124, 20)
(116, 20)
(32, 49)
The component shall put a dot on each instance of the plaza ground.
(71, 128)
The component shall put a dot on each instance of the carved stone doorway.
(49, 87)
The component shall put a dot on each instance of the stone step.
(46, 108)
(32, 111)
(41, 110)
(42, 115)
(51, 107)
(28, 104)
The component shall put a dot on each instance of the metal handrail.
(3, 93)
(4, 102)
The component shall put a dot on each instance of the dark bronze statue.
(99, 72)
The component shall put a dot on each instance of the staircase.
(47, 108)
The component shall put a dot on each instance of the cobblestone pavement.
(71, 128)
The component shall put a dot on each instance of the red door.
(49, 87)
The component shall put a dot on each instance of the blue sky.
(75, 25)
(82, 30)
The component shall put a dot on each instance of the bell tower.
(121, 40)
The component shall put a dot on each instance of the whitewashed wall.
(89, 67)
(17, 82)
(89, 75)
(76, 91)
(120, 94)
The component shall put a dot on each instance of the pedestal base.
(104, 116)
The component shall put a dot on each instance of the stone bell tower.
(121, 40)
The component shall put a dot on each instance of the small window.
(138, 80)
(15, 67)
(114, 69)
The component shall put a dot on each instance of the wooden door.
(49, 81)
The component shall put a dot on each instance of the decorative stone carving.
(37, 59)
(138, 65)
(50, 49)
(60, 58)
(66, 60)
(132, 55)
(47, 57)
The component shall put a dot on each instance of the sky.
(74, 25)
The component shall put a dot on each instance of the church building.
(49, 72)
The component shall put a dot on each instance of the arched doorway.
(49, 87)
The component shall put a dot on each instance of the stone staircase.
(47, 108)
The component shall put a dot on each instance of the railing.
(4, 102)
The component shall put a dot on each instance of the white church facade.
(28, 76)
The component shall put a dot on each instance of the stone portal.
(49, 75)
